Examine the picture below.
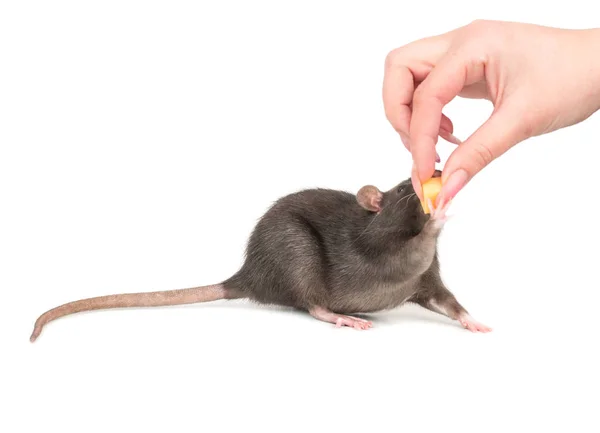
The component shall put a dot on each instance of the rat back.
(320, 247)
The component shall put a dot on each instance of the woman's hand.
(539, 79)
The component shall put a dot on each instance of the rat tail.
(148, 299)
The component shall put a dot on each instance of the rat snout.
(409, 198)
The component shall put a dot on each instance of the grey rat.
(330, 253)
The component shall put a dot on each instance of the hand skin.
(539, 79)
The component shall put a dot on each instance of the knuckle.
(485, 33)
(393, 58)
(530, 122)
(424, 95)
(526, 128)
(480, 26)
(483, 155)
(420, 94)
(392, 119)
(478, 41)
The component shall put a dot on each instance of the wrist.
(591, 49)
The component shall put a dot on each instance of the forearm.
(590, 54)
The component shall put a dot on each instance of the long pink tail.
(125, 300)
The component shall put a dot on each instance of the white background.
(140, 142)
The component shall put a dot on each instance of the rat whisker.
(408, 197)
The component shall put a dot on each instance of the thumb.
(498, 134)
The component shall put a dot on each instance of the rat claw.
(449, 137)
(357, 322)
(438, 214)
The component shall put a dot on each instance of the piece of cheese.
(431, 189)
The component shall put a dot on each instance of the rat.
(333, 254)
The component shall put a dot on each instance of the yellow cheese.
(431, 189)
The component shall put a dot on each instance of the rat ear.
(369, 197)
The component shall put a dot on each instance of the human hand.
(539, 79)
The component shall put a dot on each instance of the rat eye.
(401, 189)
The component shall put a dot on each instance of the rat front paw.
(439, 216)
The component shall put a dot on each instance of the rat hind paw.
(339, 320)
(473, 325)
(352, 322)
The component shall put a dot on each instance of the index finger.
(443, 84)
(398, 88)
(404, 67)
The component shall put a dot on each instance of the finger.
(405, 140)
(404, 67)
(447, 130)
(496, 136)
(416, 183)
(443, 84)
(446, 124)
(398, 88)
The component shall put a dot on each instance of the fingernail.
(437, 157)
(455, 182)
(416, 182)
(448, 136)
(454, 139)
